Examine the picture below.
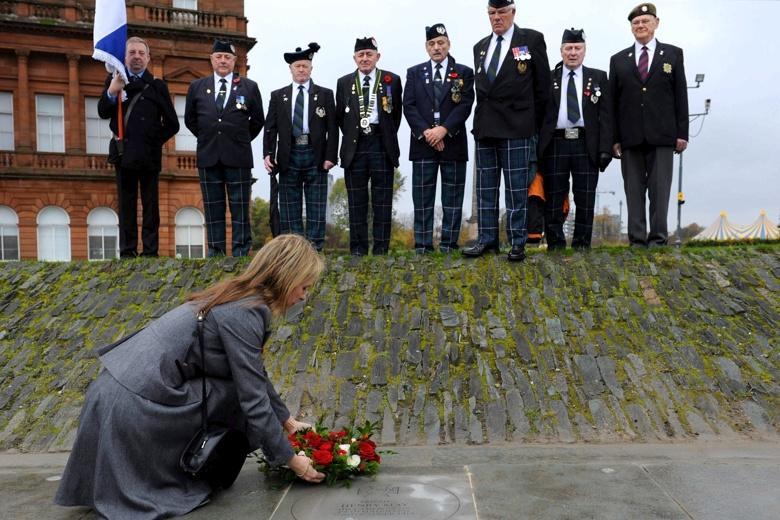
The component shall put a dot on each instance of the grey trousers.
(647, 173)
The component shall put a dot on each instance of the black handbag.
(216, 453)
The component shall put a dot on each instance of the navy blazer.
(597, 116)
(419, 109)
(513, 106)
(654, 112)
(323, 128)
(151, 123)
(348, 115)
(224, 138)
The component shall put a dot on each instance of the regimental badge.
(315, 97)
(320, 111)
(441, 30)
(522, 67)
(661, 52)
(668, 68)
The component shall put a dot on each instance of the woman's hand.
(292, 426)
(301, 465)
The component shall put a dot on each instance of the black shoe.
(516, 254)
(480, 249)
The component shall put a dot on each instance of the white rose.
(344, 447)
(353, 461)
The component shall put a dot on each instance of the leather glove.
(604, 160)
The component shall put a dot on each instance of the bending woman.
(143, 409)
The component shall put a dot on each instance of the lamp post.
(680, 197)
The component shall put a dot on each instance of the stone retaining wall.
(607, 346)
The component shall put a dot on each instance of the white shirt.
(505, 44)
(306, 87)
(444, 63)
(218, 85)
(373, 117)
(650, 51)
(563, 109)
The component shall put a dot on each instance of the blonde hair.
(281, 265)
(136, 39)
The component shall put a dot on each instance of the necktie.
(438, 88)
(366, 92)
(221, 95)
(572, 102)
(642, 66)
(298, 116)
(492, 70)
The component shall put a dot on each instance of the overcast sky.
(731, 161)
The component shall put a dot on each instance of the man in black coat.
(576, 140)
(149, 120)
(438, 97)
(368, 108)
(301, 142)
(513, 87)
(225, 113)
(647, 81)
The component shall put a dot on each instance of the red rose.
(335, 436)
(313, 439)
(322, 457)
(326, 446)
(453, 75)
(388, 78)
(366, 451)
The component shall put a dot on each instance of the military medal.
(596, 94)
(240, 103)
(522, 68)
(521, 55)
(457, 86)
(387, 101)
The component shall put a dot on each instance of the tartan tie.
(642, 66)
(298, 115)
(572, 103)
(492, 70)
(221, 95)
(438, 88)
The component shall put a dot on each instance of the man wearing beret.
(225, 113)
(647, 81)
(576, 141)
(437, 101)
(301, 140)
(368, 108)
(513, 87)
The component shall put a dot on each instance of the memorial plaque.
(410, 498)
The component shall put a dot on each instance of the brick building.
(57, 192)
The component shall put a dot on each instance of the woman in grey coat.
(144, 408)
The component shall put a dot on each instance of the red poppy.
(454, 75)
(236, 79)
(322, 457)
(388, 78)
(586, 93)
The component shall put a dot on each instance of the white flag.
(110, 35)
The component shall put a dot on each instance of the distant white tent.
(721, 229)
(761, 229)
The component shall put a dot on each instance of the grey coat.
(144, 407)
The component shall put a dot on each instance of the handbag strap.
(133, 102)
(203, 404)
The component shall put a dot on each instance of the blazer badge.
(320, 111)
(668, 68)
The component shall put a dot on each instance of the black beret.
(223, 46)
(434, 31)
(640, 10)
(573, 36)
(498, 4)
(305, 54)
(362, 44)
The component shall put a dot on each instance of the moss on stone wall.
(610, 345)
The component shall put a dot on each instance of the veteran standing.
(225, 113)
(647, 81)
(438, 97)
(513, 87)
(301, 142)
(149, 120)
(368, 108)
(576, 141)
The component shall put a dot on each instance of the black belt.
(570, 133)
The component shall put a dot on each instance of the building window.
(103, 233)
(9, 234)
(98, 132)
(6, 121)
(186, 4)
(185, 141)
(50, 123)
(189, 233)
(53, 235)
